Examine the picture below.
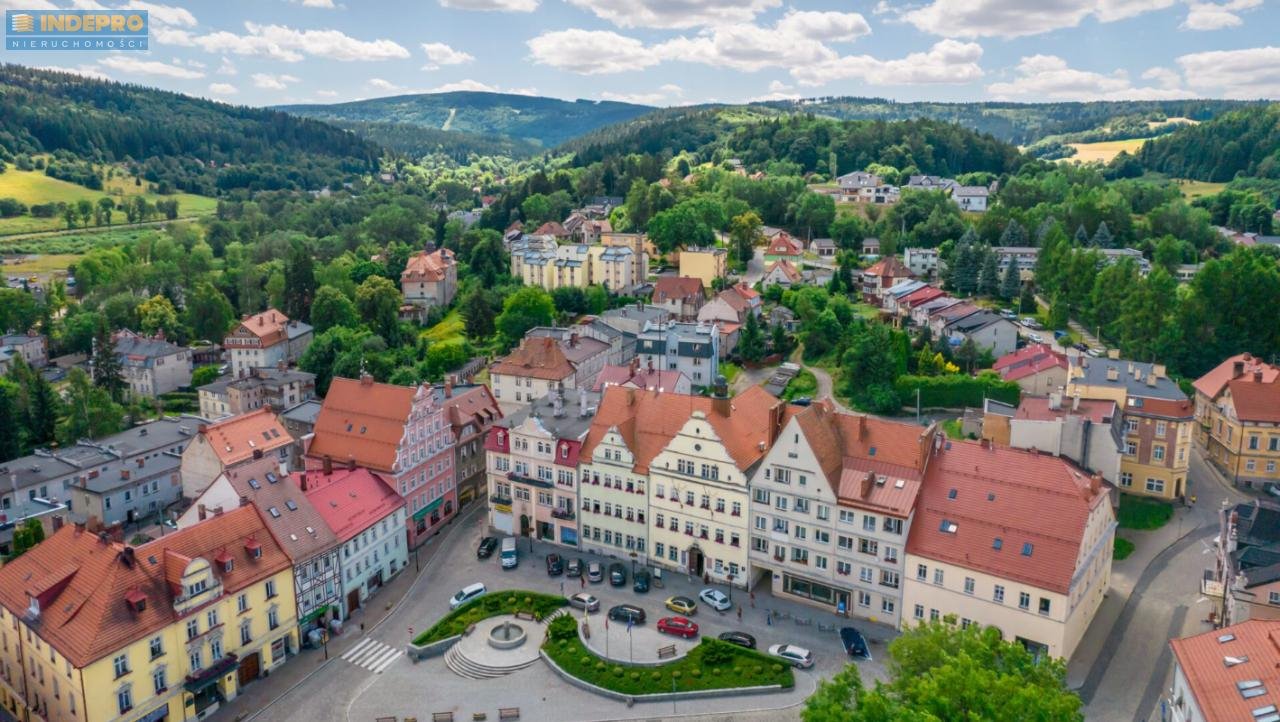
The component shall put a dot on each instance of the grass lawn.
(507, 601)
(952, 428)
(75, 243)
(730, 371)
(1123, 548)
(1104, 150)
(40, 264)
(804, 385)
(1138, 512)
(32, 187)
(866, 311)
(710, 665)
(1193, 189)
(450, 327)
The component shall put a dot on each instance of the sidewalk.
(261, 693)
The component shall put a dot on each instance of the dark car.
(573, 568)
(1080, 347)
(617, 574)
(801, 401)
(742, 639)
(627, 613)
(555, 565)
(641, 582)
(855, 645)
(488, 546)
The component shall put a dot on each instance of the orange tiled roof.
(788, 269)
(1037, 505)
(428, 266)
(268, 326)
(889, 266)
(1213, 383)
(1161, 408)
(84, 584)
(538, 357)
(682, 288)
(784, 245)
(237, 438)
(1254, 401)
(468, 405)
(362, 421)
(648, 420)
(1214, 662)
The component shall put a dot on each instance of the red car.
(679, 626)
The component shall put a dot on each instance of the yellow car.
(682, 605)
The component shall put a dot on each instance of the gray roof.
(109, 476)
(148, 348)
(571, 424)
(19, 339)
(971, 191)
(684, 331)
(268, 376)
(305, 412)
(1095, 374)
(976, 322)
(295, 329)
(631, 319)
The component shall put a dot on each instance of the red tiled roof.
(1161, 408)
(1253, 401)
(1213, 383)
(640, 378)
(648, 420)
(889, 266)
(268, 326)
(471, 405)
(551, 228)
(1249, 651)
(740, 297)
(1029, 501)
(1036, 408)
(428, 266)
(1028, 361)
(682, 288)
(235, 439)
(349, 500)
(84, 584)
(788, 269)
(362, 421)
(784, 245)
(538, 357)
(921, 295)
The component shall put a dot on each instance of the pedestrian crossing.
(373, 655)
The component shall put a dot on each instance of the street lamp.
(730, 587)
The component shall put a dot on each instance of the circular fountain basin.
(507, 635)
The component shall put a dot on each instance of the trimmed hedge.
(713, 664)
(508, 601)
(953, 391)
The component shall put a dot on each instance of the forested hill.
(416, 141)
(1241, 142)
(546, 122)
(1020, 123)
(188, 144)
(806, 142)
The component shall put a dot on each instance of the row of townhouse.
(619, 262)
(821, 506)
(1237, 411)
(866, 187)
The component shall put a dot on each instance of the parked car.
(555, 565)
(595, 572)
(793, 655)
(1080, 347)
(627, 613)
(641, 581)
(715, 599)
(1034, 338)
(488, 546)
(617, 574)
(573, 568)
(583, 600)
(509, 554)
(742, 639)
(1097, 352)
(1059, 334)
(1009, 314)
(679, 626)
(801, 401)
(855, 645)
(1030, 322)
(466, 594)
(682, 605)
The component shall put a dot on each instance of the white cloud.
(165, 14)
(137, 66)
(664, 95)
(1164, 77)
(590, 52)
(675, 13)
(273, 82)
(326, 93)
(317, 3)
(439, 54)
(386, 85)
(778, 90)
(87, 71)
(1245, 74)
(468, 84)
(948, 61)
(747, 48)
(1210, 16)
(285, 43)
(222, 89)
(824, 26)
(227, 67)
(510, 6)
(1013, 18)
(1048, 77)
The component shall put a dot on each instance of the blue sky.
(672, 52)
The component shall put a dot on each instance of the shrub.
(696, 672)
(716, 652)
(635, 676)
(675, 674)
(656, 675)
(957, 390)
(563, 628)
(617, 671)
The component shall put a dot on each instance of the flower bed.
(492, 604)
(711, 665)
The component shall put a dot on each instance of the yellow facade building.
(93, 630)
(704, 264)
(1238, 419)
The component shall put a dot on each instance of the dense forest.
(1019, 123)
(1243, 142)
(417, 141)
(545, 122)
(175, 141)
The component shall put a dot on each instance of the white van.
(466, 594)
(510, 557)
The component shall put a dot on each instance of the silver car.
(595, 572)
(790, 653)
(582, 600)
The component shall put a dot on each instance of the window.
(1254, 442)
(1157, 453)
(659, 549)
(868, 546)
(937, 577)
(1130, 426)
(1126, 479)
(273, 618)
(845, 543)
(1155, 486)
(893, 526)
(780, 503)
(933, 615)
(193, 629)
(968, 585)
(800, 556)
(846, 516)
(271, 588)
(736, 508)
(121, 665)
(997, 595)
(802, 505)
(196, 659)
(819, 562)
(922, 572)
(242, 601)
(844, 568)
(864, 599)
(1273, 598)
(1024, 600)
(866, 575)
(782, 476)
(822, 537)
(889, 579)
(1044, 605)
(1162, 427)
(158, 679)
(1130, 448)
(868, 523)
(919, 612)
(246, 632)
(212, 616)
(824, 512)
(157, 648)
(887, 606)
(124, 699)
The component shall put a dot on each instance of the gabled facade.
(1238, 419)
(681, 296)
(279, 388)
(266, 339)
(151, 365)
(229, 443)
(1226, 674)
(784, 247)
(693, 349)
(430, 279)
(471, 411)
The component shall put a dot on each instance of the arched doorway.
(696, 561)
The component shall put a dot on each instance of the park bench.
(470, 628)
(667, 651)
(526, 615)
(826, 627)
(479, 717)
(441, 717)
(508, 713)
(804, 621)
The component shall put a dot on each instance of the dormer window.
(253, 548)
(225, 561)
(136, 600)
(197, 587)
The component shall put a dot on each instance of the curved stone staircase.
(463, 666)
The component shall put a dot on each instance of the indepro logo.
(76, 29)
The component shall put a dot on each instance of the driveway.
(755, 267)
(826, 388)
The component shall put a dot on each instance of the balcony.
(566, 514)
(500, 499)
(529, 480)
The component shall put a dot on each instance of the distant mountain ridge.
(542, 122)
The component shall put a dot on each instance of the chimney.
(57, 522)
(1237, 369)
(1158, 370)
(1055, 400)
(448, 388)
(366, 380)
(262, 321)
(351, 463)
(244, 500)
(1257, 376)
(582, 403)
(866, 484)
(141, 461)
(1151, 379)
(1113, 374)
(1095, 484)
(1075, 402)
(202, 512)
(202, 429)
(985, 443)
(328, 465)
(124, 474)
(573, 339)
(302, 482)
(79, 526)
